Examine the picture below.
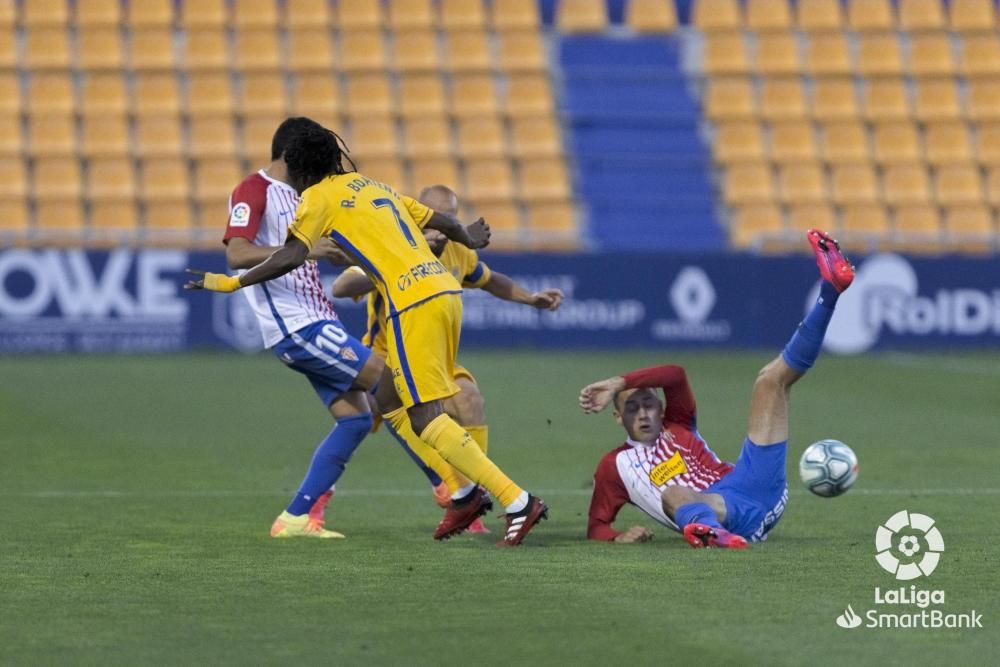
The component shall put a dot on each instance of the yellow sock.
(451, 441)
(400, 421)
(481, 435)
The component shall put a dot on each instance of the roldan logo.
(884, 297)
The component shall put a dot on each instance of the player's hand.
(547, 299)
(213, 282)
(479, 234)
(635, 534)
(595, 397)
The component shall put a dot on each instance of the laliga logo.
(908, 544)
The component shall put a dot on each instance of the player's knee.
(675, 496)
(469, 403)
(776, 376)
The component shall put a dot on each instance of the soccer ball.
(828, 468)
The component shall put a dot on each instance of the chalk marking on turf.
(969, 367)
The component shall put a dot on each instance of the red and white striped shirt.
(260, 210)
(637, 473)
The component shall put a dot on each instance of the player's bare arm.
(352, 284)
(475, 235)
(598, 395)
(284, 260)
(242, 254)
(504, 287)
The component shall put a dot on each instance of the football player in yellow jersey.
(467, 407)
(381, 231)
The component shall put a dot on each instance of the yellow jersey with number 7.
(381, 230)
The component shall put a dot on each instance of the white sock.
(519, 504)
(464, 491)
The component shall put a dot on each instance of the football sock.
(481, 435)
(400, 423)
(451, 441)
(696, 513)
(329, 461)
(519, 504)
(801, 351)
(463, 492)
(432, 476)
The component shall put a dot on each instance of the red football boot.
(519, 523)
(833, 266)
(699, 536)
(318, 511)
(462, 513)
(477, 527)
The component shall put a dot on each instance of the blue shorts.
(756, 491)
(327, 355)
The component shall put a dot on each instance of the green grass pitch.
(137, 495)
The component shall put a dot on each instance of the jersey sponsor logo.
(418, 273)
(667, 470)
(240, 216)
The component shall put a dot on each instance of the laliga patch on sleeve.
(240, 217)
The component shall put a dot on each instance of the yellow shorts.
(422, 345)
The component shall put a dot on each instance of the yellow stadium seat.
(56, 178)
(481, 138)
(906, 184)
(10, 94)
(432, 171)
(47, 48)
(552, 225)
(410, 15)
(489, 180)
(150, 13)
(421, 95)
(871, 15)
(263, 94)
(258, 131)
(214, 179)
(311, 50)
(535, 137)
(461, 15)
(984, 100)
(993, 187)
(168, 220)
(854, 183)
(931, 55)
(971, 16)
(827, 55)
(257, 49)
(47, 13)
(783, 99)
(651, 16)
(257, 13)
(947, 142)
(748, 184)
(13, 218)
(544, 179)
(988, 144)
(730, 99)
(156, 95)
(980, 56)
(103, 94)
(768, 15)
(725, 53)
(206, 49)
(50, 94)
(864, 227)
(114, 220)
(878, 55)
(416, 52)
(152, 49)
(468, 51)
(427, 137)
(958, 184)
(359, 15)
(716, 15)
(311, 14)
(778, 54)
(917, 15)
(834, 100)
(111, 178)
(105, 136)
(473, 95)
(522, 51)
(896, 142)
(918, 229)
(738, 141)
(11, 143)
(51, 134)
(753, 225)
(845, 142)
(209, 94)
(316, 96)
(579, 16)
(971, 228)
(8, 49)
(388, 171)
(369, 94)
(527, 95)
(937, 99)
(374, 136)
(504, 219)
(165, 179)
(98, 13)
(158, 136)
(8, 15)
(886, 99)
(802, 184)
(13, 178)
(204, 14)
(55, 219)
(212, 137)
(516, 15)
(793, 142)
(815, 16)
(804, 217)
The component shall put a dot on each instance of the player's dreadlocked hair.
(313, 152)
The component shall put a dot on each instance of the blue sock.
(696, 513)
(329, 461)
(801, 351)
(432, 476)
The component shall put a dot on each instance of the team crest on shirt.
(667, 470)
(240, 217)
(348, 354)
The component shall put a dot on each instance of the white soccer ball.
(828, 468)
